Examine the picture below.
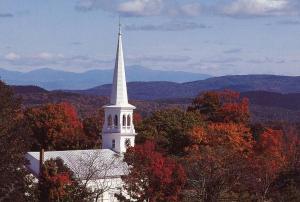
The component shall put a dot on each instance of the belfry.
(118, 131)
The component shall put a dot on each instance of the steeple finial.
(120, 26)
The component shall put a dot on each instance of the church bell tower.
(118, 131)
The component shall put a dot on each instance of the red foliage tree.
(137, 118)
(57, 183)
(56, 126)
(152, 176)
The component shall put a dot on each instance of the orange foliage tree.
(56, 126)
(217, 160)
(287, 184)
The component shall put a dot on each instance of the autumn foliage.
(209, 152)
(57, 183)
(224, 156)
(236, 136)
(57, 127)
(14, 143)
(222, 106)
(152, 176)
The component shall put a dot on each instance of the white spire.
(119, 88)
(118, 130)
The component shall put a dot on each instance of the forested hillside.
(170, 90)
(264, 106)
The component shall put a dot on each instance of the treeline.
(209, 152)
(264, 106)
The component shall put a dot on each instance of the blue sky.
(216, 37)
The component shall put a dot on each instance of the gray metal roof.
(103, 163)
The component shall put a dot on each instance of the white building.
(118, 133)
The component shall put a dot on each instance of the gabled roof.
(103, 163)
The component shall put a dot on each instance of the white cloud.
(45, 56)
(188, 9)
(85, 5)
(256, 7)
(141, 7)
(12, 56)
(53, 60)
(194, 9)
(88, 5)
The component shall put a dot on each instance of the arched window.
(128, 120)
(109, 121)
(124, 120)
(127, 143)
(116, 120)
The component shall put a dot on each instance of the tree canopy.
(57, 127)
(152, 176)
(14, 143)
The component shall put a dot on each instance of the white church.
(118, 133)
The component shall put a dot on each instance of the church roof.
(104, 163)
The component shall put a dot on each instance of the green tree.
(169, 128)
(222, 106)
(92, 127)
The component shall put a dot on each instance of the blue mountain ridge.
(51, 79)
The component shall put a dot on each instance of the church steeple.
(119, 88)
(118, 131)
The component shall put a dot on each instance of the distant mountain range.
(54, 79)
(171, 90)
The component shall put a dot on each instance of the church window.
(124, 120)
(113, 144)
(109, 120)
(128, 120)
(127, 143)
(116, 120)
